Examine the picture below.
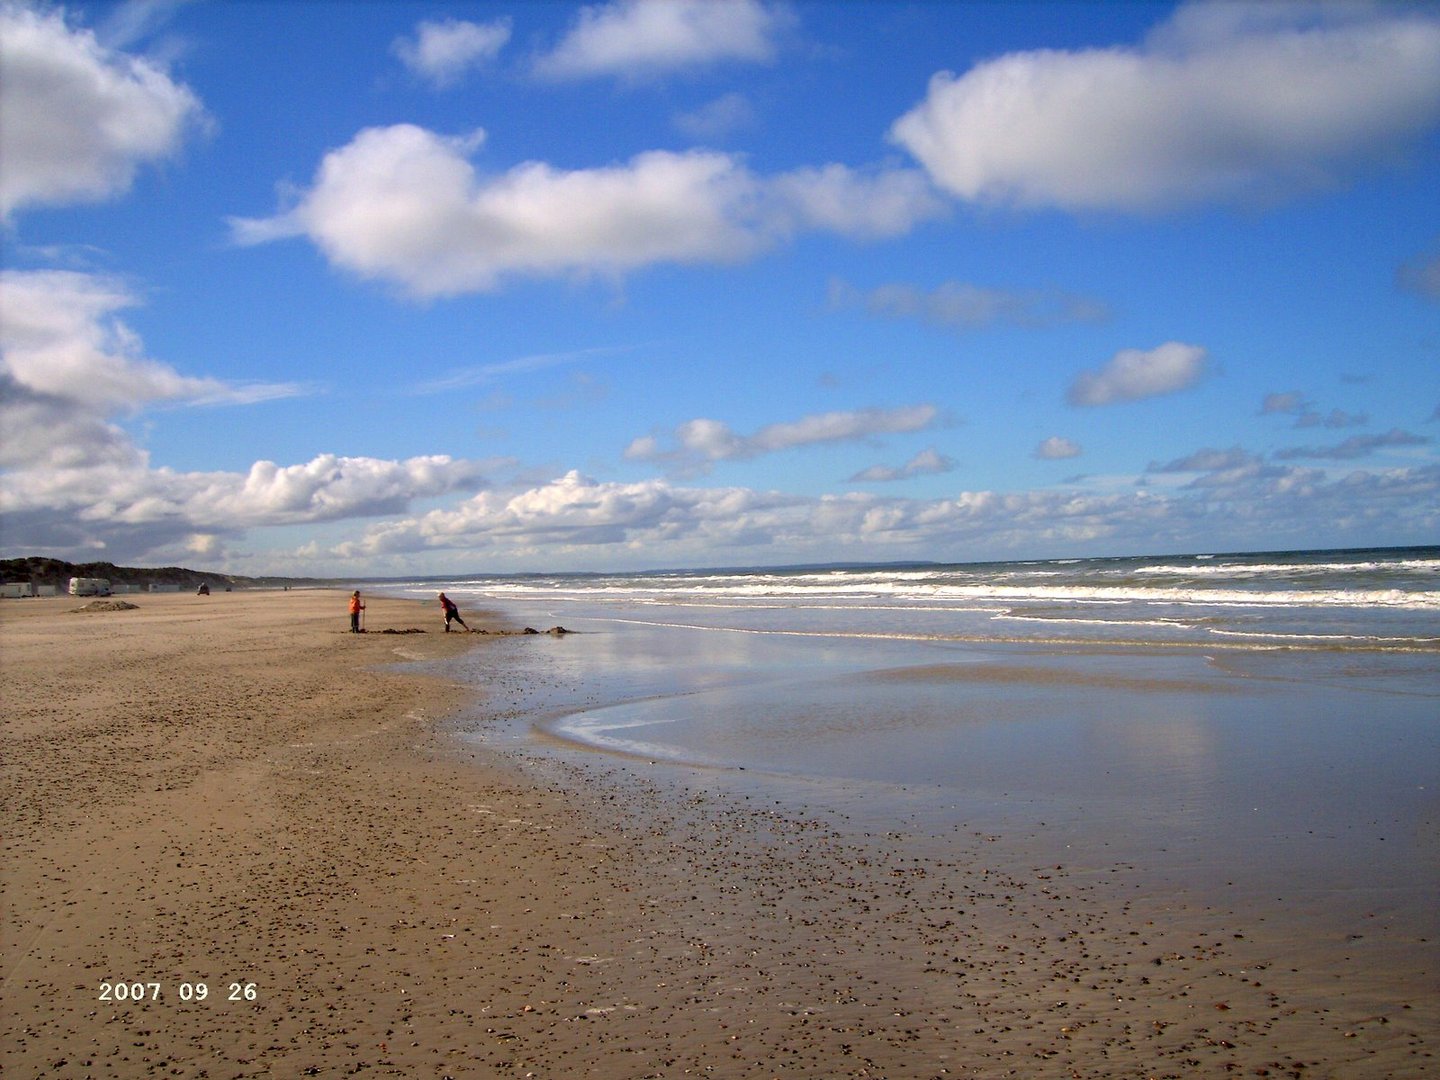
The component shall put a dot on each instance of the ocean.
(1262, 720)
(1371, 600)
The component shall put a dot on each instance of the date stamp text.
(116, 991)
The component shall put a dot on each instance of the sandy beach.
(233, 792)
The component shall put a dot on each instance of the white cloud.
(696, 443)
(578, 521)
(851, 202)
(1056, 448)
(1227, 102)
(927, 462)
(77, 120)
(842, 426)
(586, 523)
(1132, 374)
(405, 205)
(639, 37)
(127, 507)
(961, 305)
(574, 512)
(442, 52)
(75, 482)
(58, 332)
(60, 337)
(330, 488)
(128, 512)
(74, 479)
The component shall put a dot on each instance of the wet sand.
(233, 790)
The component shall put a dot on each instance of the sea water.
(1269, 719)
(681, 650)
(1386, 599)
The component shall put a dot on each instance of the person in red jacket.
(356, 607)
(452, 613)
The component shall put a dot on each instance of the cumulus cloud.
(576, 513)
(75, 481)
(442, 52)
(697, 443)
(834, 198)
(963, 306)
(50, 432)
(1056, 448)
(77, 120)
(584, 522)
(405, 205)
(330, 488)
(1132, 374)
(928, 462)
(130, 510)
(61, 337)
(651, 37)
(1225, 103)
(1356, 446)
(610, 524)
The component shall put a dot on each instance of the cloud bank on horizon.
(802, 283)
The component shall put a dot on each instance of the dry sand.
(233, 791)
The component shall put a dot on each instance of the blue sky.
(402, 288)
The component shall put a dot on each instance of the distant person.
(356, 607)
(451, 613)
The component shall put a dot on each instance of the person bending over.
(452, 613)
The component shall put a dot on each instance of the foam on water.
(1387, 599)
